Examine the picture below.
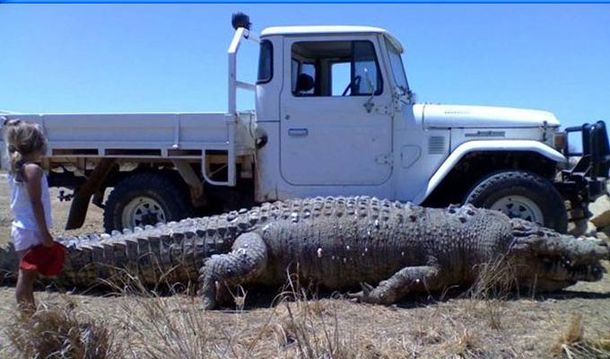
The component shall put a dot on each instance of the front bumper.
(586, 181)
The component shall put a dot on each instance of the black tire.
(500, 188)
(165, 194)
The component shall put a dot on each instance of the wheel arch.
(473, 161)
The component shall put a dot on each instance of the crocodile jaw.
(551, 261)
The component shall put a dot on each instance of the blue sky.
(172, 58)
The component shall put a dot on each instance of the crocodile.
(341, 243)
(336, 242)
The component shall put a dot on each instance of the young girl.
(30, 201)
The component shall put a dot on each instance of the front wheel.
(520, 194)
(146, 199)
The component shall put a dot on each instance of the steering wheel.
(354, 83)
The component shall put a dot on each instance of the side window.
(340, 73)
(367, 78)
(398, 70)
(303, 77)
(335, 68)
(265, 62)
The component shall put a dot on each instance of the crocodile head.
(546, 260)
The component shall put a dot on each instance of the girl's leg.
(24, 291)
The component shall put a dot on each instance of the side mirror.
(408, 94)
(412, 96)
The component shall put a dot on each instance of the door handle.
(298, 132)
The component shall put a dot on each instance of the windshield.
(397, 68)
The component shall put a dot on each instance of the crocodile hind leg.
(247, 259)
(403, 282)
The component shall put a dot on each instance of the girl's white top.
(22, 206)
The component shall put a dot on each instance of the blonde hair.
(25, 141)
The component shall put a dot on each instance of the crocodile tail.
(166, 255)
(117, 262)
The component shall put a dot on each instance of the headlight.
(559, 140)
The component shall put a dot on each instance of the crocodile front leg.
(399, 285)
(247, 259)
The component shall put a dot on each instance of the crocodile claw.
(366, 288)
(208, 304)
(364, 295)
(355, 297)
(207, 292)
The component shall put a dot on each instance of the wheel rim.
(519, 207)
(141, 211)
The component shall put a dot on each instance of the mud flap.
(82, 195)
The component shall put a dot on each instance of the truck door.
(336, 120)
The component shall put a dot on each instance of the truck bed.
(163, 135)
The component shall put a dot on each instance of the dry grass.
(308, 328)
(496, 280)
(573, 344)
(60, 332)
(145, 325)
(495, 283)
(295, 326)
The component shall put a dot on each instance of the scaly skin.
(400, 248)
(337, 243)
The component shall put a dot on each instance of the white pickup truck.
(334, 116)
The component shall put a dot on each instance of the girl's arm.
(33, 175)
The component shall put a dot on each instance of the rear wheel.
(146, 199)
(141, 211)
(520, 194)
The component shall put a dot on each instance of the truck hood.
(452, 116)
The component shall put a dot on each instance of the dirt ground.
(525, 326)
